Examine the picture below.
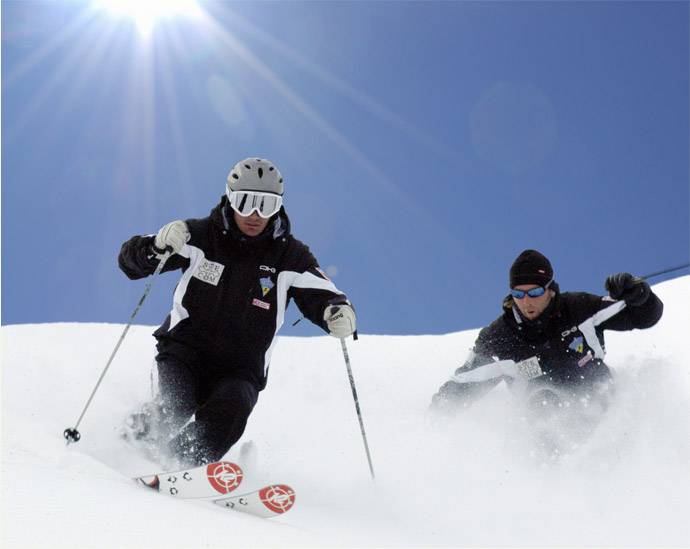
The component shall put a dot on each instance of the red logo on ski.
(279, 498)
(224, 476)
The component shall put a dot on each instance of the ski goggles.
(247, 202)
(534, 292)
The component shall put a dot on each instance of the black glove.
(633, 290)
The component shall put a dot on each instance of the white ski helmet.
(255, 174)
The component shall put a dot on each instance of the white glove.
(172, 236)
(341, 320)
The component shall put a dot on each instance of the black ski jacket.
(233, 292)
(567, 339)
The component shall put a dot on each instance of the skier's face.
(252, 225)
(532, 307)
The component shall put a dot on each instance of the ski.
(269, 501)
(206, 481)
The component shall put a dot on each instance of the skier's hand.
(341, 320)
(171, 237)
(632, 289)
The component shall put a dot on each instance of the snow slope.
(454, 483)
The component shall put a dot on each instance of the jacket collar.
(532, 328)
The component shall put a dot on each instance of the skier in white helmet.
(240, 267)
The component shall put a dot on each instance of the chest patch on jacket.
(585, 359)
(261, 304)
(577, 345)
(266, 285)
(209, 272)
(530, 368)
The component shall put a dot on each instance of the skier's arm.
(643, 308)
(454, 393)
(312, 291)
(138, 258)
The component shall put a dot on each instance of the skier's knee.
(451, 395)
(236, 397)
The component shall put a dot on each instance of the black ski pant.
(221, 405)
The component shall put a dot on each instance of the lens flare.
(146, 14)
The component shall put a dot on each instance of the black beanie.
(530, 267)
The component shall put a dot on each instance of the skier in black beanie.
(530, 267)
(548, 339)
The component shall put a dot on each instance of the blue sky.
(423, 145)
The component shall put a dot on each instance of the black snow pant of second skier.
(220, 404)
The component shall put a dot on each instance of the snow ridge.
(464, 482)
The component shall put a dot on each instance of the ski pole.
(359, 412)
(72, 434)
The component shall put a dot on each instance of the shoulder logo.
(209, 272)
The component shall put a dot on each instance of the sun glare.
(146, 13)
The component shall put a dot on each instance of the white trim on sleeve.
(293, 279)
(588, 327)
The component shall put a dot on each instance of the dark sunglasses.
(534, 292)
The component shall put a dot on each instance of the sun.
(146, 13)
